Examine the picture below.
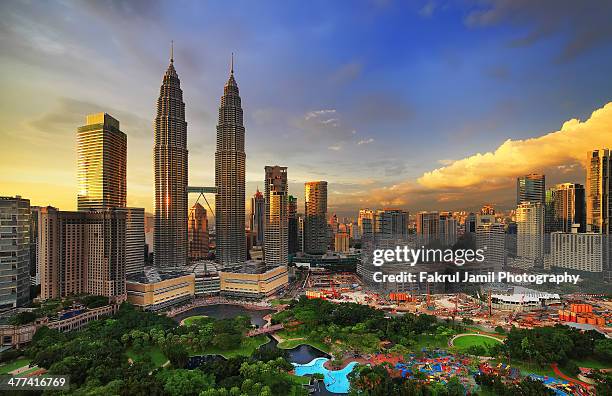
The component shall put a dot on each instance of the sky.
(420, 105)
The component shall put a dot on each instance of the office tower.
(366, 222)
(198, 232)
(34, 265)
(276, 241)
(428, 226)
(549, 211)
(82, 252)
(580, 252)
(491, 238)
(170, 153)
(341, 242)
(258, 212)
(101, 163)
(315, 213)
(14, 252)
(230, 165)
(391, 223)
(530, 188)
(470, 223)
(530, 232)
(134, 239)
(598, 191)
(568, 207)
(300, 237)
(447, 230)
(292, 224)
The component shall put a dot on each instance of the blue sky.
(368, 95)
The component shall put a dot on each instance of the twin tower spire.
(171, 170)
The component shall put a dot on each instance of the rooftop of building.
(153, 275)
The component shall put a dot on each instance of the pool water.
(336, 381)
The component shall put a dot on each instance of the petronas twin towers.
(170, 162)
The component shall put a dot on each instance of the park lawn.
(429, 341)
(290, 344)
(246, 348)
(193, 319)
(154, 352)
(465, 342)
(301, 380)
(593, 363)
(280, 301)
(527, 368)
(15, 364)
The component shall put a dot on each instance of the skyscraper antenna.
(232, 68)
(172, 51)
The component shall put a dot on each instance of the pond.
(336, 381)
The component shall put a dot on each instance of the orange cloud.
(564, 147)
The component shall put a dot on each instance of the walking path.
(451, 342)
(558, 372)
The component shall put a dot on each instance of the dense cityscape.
(274, 294)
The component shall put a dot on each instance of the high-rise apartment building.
(428, 226)
(341, 242)
(101, 163)
(14, 252)
(366, 222)
(258, 213)
(598, 191)
(134, 239)
(82, 252)
(315, 213)
(170, 163)
(576, 251)
(230, 163)
(530, 232)
(292, 204)
(448, 228)
(531, 188)
(391, 223)
(276, 228)
(198, 232)
(34, 263)
(491, 238)
(568, 207)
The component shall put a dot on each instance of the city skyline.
(314, 131)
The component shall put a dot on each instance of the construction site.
(495, 305)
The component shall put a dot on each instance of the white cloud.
(365, 141)
(336, 147)
(318, 113)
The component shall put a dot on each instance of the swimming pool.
(335, 381)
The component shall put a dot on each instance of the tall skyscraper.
(258, 212)
(170, 155)
(293, 224)
(428, 226)
(315, 213)
(230, 163)
(599, 191)
(531, 188)
(14, 252)
(276, 241)
(530, 233)
(101, 163)
(198, 232)
(34, 263)
(568, 207)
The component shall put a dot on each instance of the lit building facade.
(14, 252)
(258, 213)
(254, 284)
(530, 233)
(276, 228)
(341, 242)
(134, 239)
(198, 232)
(576, 251)
(101, 163)
(568, 207)
(491, 238)
(366, 222)
(531, 188)
(598, 191)
(391, 223)
(170, 164)
(230, 163)
(315, 213)
(153, 291)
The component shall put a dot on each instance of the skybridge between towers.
(202, 191)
